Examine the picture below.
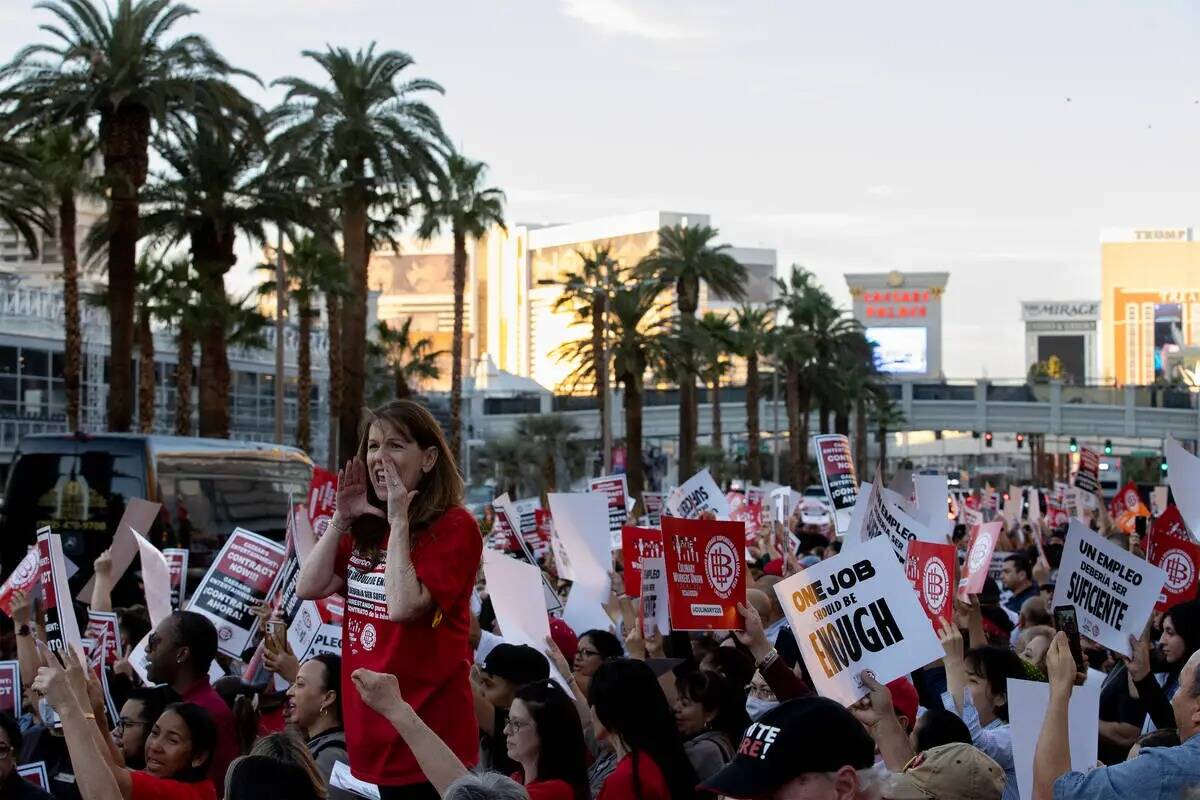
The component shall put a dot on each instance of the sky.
(992, 141)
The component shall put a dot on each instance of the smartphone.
(276, 631)
(1066, 621)
(1139, 527)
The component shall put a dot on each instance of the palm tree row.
(339, 166)
(643, 323)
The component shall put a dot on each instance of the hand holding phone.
(1066, 621)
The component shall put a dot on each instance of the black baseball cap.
(807, 734)
(518, 663)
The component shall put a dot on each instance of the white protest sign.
(517, 601)
(654, 611)
(858, 517)
(653, 503)
(1183, 476)
(698, 494)
(932, 491)
(884, 518)
(581, 523)
(836, 462)
(139, 516)
(784, 500)
(243, 574)
(619, 503)
(303, 537)
(857, 611)
(59, 624)
(1113, 591)
(156, 579)
(1027, 704)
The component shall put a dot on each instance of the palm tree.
(409, 359)
(755, 327)
(147, 278)
(119, 65)
(22, 193)
(550, 442)
(468, 208)
(372, 135)
(65, 165)
(177, 292)
(715, 342)
(887, 416)
(685, 257)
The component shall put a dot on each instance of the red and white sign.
(61, 627)
(102, 628)
(24, 578)
(837, 476)
(177, 561)
(1170, 547)
(930, 569)
(638, 544)
(322, 493)
(1087, 479)
(706, 574)
(243, 575)
(10, 688)
(653, 501)
(618, 512)
(35, 773)
(1126, 507)
(979, 557)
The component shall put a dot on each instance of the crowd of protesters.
(428, 700)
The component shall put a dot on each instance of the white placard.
(1027, 704)
(858, 517)
(581, 524)
(885, 518)
(139, 516)
(156, 578)
(932, 491)
(616, 489)
(784, 500)
(1183, 476)
(517, 601)
(1113, 591)
(857, 611)
(654, 611)
(698, 494)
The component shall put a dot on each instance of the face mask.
(756, 707)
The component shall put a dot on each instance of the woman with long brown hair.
(405, 552)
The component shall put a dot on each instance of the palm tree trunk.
(753, 456)
(860, 438)
(73, 333)
(354, 325)
(456, 343)
(792, 395)
(403, 392)
(715, 402)
(800, 468)
(634, 472)
(124, 139)
(145, 370)
(212, 254)
(883, 437)
(304, 380)
(824, 416)
(600, 368)
(841, 421)
(333, 311)
(186, 343)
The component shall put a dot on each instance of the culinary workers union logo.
(980, 551)
(935, 583)
(721, 566)
(1179, 568)
(368, 637)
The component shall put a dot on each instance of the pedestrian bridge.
(999, 406)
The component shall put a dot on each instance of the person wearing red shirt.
(407, 574)
(544, 735)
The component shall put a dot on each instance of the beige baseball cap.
(958, 771)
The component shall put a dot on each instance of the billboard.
(900, 350)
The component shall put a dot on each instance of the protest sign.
(35, 773)
(60, 626)
(1087, 479)
(932, 492)
(329, 639)
(1034, 498)
(526, 522)
(654, 607)
(784, 501)
(698, 494)
(854, 612)
(837, 476)
(638, 544)
(139, 516)
(653, 503)
(517, 601)
(156, 579)
(858, 517)
(101, 628)
(300, 535)
(1158, 499)
(177, 563)
(507, 524)
(929, 567)
(1183, 476)
(1112, 590)
(10, 688)
(23, 578)
(706, 574)
(979, 558)
(302, 617)
(1170, 547)
(885, 518)
(617, 490)
(322, 494)
(581, 522)
(1127, 506)
(1027, 704)
(243, 574)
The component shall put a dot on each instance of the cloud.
(625, 18)
(881, 190)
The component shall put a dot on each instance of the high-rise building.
(1149, 301)
(44, 269)
(1062, 329)
(901, 313)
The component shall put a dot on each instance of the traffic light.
(1074, 445)
(987, 439)
(1108, 447)
(1020, 440)
(1162, 467)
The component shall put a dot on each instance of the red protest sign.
(24, 577)
(1087, 479)
(103, 630)
(1127, 506)
(1170, 547)
(637, 544)
(10, 688)
(322, 491)
(979, 557)
(706, 577)
(930, 568)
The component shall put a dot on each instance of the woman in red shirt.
(405, 552)
(545, 737)
(631, 713)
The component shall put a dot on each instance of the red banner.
(10, 688)
(1170, 547)
(979, 557)
(24, 577)
(636, 544)
(930, 568)
(322, 491)
(706, 574)
(1126, 507)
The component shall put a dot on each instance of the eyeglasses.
(124, 723)
(516, 725)
(587, 653)
(761, 692)
(5, 750)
